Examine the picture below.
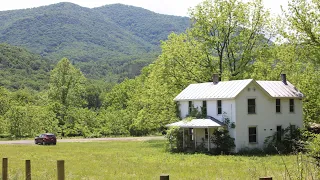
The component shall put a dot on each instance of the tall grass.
(145, 160)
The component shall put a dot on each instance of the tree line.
(235, 39)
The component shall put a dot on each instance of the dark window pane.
(291, 107)
(252, 134)
(278, 109)
(251, 106)
(219, 105)
(279, 133)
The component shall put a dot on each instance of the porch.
(196, 132)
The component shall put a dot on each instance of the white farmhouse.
(258, 109)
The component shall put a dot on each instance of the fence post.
(28, 170)
(60, 168)
(265, 178)
(5, 169)
(164, 177)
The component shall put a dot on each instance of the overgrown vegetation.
(288, 140)
(147, 160)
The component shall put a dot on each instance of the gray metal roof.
(230, 89)
(196, 123)
(279, 89)
(222, 90)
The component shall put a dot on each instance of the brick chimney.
(284, 79)
(215, 78)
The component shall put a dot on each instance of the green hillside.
(22, 69)
(143, 23)
(114, 41)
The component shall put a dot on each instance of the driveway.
(90, 140)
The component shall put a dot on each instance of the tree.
(232, 32)
(67, 84)
(66, 89)
(301, 27)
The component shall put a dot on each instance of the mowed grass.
(142, 160)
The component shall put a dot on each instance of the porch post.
(183, 138)
(208, 139)
(195, 138)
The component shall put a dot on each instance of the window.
(190, 107)
(292, 130)
(252, 134)
(278, 106)
(206, 135)
(204, 108)
(251, 106)
(191, 134)
(291, 106)
(279, 133)
(219, 105)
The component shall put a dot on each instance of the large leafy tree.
(67, 84)
(232, 33)
(66, 89)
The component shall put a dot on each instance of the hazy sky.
(172, 7)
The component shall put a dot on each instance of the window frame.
(190, 104)
(279, 133)
(278, 105)
(204, 108)
(219, 107)
(249, 106)
(291, 105)
(206, 134)
(255, 135)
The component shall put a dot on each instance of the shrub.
(290, 141)
(174, 139)
(222, 140)
(313, 148)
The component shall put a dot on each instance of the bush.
(223, 141)
(291, 141)
(251, 151)
(313, 148)
(174, 139)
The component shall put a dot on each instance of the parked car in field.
(46, 138)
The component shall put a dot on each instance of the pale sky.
(171, 7)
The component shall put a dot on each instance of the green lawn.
(143, 160)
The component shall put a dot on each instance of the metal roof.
(279, 89)
(230, 89)
(209, 90)
(197, 123)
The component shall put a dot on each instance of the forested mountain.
(145, 24)
(22, 69)
(114, 39)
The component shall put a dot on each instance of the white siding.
(266, 119)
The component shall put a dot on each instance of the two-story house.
(258, 109)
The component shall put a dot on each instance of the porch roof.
(197, 123)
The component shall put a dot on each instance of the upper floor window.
(251, 106)
(252, 134)
(204, 108)
(291, 105)
(190, 107)
(219, 106)
(278, 105)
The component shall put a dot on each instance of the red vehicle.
(46, 138)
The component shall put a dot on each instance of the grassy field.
(143, 160)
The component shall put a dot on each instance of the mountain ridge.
(100, 41)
